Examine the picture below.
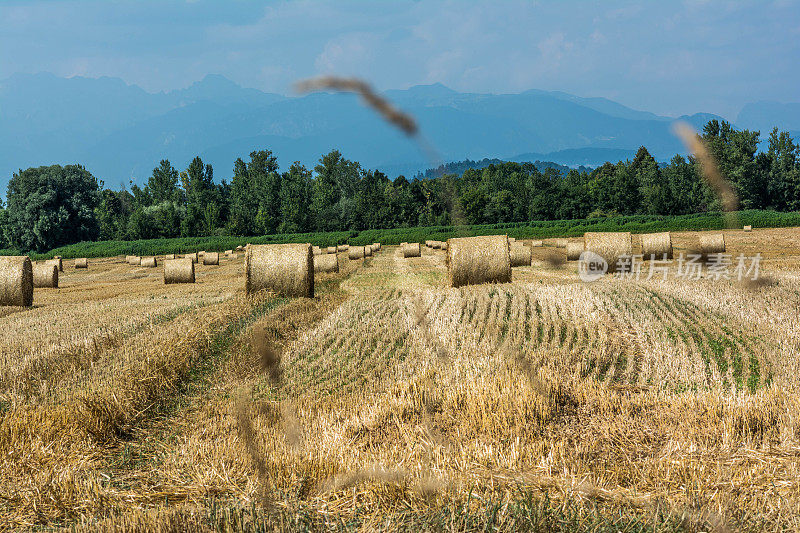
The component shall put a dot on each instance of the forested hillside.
(54, 206)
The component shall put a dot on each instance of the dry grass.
(392, 401)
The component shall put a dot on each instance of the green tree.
(162, 185)
(295, 199)
(202, 214)
(52, 206)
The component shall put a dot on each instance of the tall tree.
(295, 199)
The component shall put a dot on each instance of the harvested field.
(391, 400)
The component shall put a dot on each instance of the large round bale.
(316, 250)
(16, 280)
(376, 246)
(81, 262)
(45, 275)
(330, 250)
(169, 256)
(326, 263)
(56, 260)
(536, 244)
(611, 246)
(134, 260)
(475, 260)
(436, 245)
(656, 244)
(286, 269)
(179, 270)
(211, 258)
(149, 262)
(411, 249)
(712, 243)
(194, 257)
(520, 254)
(343, 247)
(574, 250)
(228, 252)
(355, 252)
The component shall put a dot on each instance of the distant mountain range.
(120, 132)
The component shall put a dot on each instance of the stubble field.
(391, 401)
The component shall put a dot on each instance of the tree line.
(53, 206)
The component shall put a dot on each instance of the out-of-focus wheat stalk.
(391, 114)
(710, 171)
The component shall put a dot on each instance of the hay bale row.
(574, 250)
(316, 250)
(475, 260)
(45, 275)
(211, 258)
(411, 249)
(356, 252)
(81, 262)
(657, 245)
(179, 270)
(376, 247)
(711, 243)
(286, 269)
(326, 263)
(149, 262)
(609, 245)
(368, 250)
(520, 255)
(16, 281)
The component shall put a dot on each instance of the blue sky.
(666, 57)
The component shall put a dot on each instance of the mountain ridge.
(119, 131)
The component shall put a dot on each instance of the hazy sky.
(666, 57)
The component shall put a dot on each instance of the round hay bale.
(45, 275)
(201, 252)
(376, 246)
(519, 254)
(610, 245)
(574, 250)
(149, 262)
(368, 251)
(536, 244)
(443, 246)
(656, 244)
(81, 262)
(134, 260)
(436, 245)
(316, 250)
(748, 228)
(211, 258)
(228, 252)
(56, 260)
(475, 260)
(179, 270)
(194, 257)
(560, 242)
(16, 280)
(512, 239)
(169, 256)
(343, 247)
(411, 249)
(711, 243)
(286, 269)
(355, 252)
(326, 263)
(428, 243)
(239, 248)
(330, 250)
